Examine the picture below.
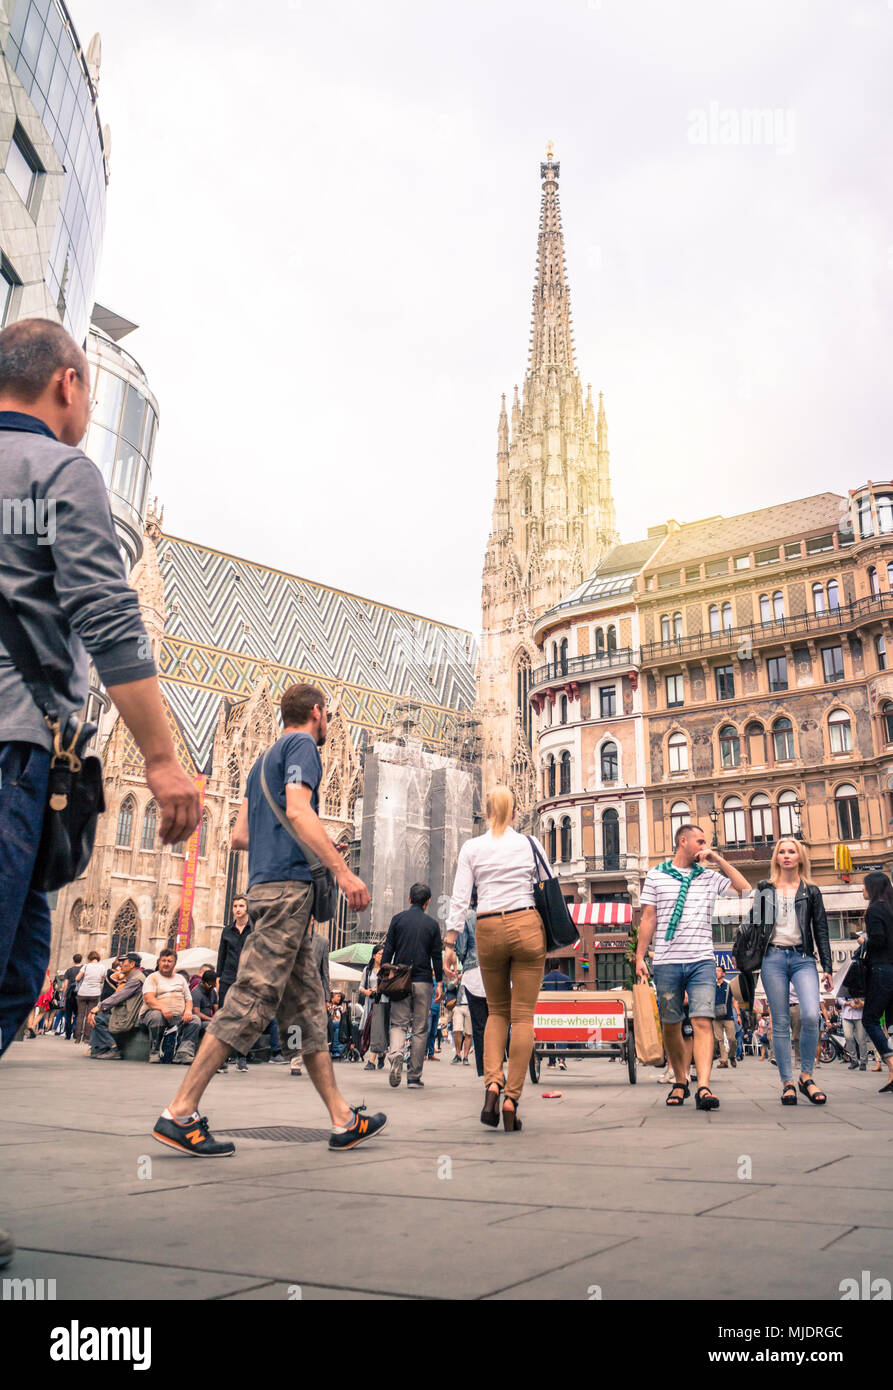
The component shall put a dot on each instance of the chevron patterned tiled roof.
(231, 621)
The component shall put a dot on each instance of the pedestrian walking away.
(511, 948)
(725, 1020)
(789, 908)
(89, 991)
(413, 939)
(460, 948)
(70, 998)
(878, 890)
(278, 975)
(678, 899)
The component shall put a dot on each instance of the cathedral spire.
(551, 338)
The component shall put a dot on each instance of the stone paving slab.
(605, 1186)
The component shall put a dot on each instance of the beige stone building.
(553, 516)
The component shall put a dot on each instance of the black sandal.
(814, 1096)
(678, 1100)
(709, 1102)
(788, 1093)
(510, 1118)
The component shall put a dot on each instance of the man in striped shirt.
(678, 898)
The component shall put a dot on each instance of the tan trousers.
(511, 951)
(725, 1028)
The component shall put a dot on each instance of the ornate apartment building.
(553, 516)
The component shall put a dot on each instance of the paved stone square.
(605, 1187)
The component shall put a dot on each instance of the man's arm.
(643, 940)
(239, 838)
(716, 861)
(387, 951)
(310, 830)
(437, 961)
(124, 991)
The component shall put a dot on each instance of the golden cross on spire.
(550, 151)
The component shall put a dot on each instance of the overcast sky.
(324, 215)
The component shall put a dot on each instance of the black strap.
(23, 656)
(538, 858)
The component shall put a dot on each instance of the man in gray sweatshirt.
(62, 575)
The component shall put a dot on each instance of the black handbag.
(75, 797)
(856, 978)
(752, 937)
(323, 881)
(549, 901)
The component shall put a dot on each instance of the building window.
(788, 815)
(840, 731)
(692, 574)
(665, 628)
(522, 690)
(607, 700)
(849, 825)
(609, 762)
(612, 638)
(125, 823)
(742, 562)
(714, 568)
(783, 740)
(793, 550)
(150, 826)
(778, 604)
(725, 683)
(551, 842)
(611, 839)
(887, 712)
(816, 545)
(834, 595)
(729, 746)
(566, 855)
(866, 525)
(766, 557)
(677, 626)
(551, 770)
(203, 837)
(599, 641)
(874, 584)
(713, 617)
(679, 816)
(565, 784)
(677, 753)
(765, 609)
(818, 598)
(23, 166)
(761, 819)
(563, 656)
(563, 709)
(756, 744)
(832, 663)
(883, 505)
(674, 691)
(734, 829)
(777, 667)
(880, 651)
(9, 283)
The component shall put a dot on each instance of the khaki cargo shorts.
(278, 977)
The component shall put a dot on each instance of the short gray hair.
(31, 351)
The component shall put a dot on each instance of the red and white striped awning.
(602, 914)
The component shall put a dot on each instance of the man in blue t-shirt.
(279, 825)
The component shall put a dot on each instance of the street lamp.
(714, 816)
(798, 807)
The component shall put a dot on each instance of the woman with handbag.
(878, 889)
(790, 909)
(375, 1014)
(511, 947)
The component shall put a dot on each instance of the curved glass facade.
(121, 436)
(44, 50)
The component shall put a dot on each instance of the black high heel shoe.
(490, 1112)
(510, 1119)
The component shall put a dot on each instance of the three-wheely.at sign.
(583, 1025)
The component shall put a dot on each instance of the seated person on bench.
(118, 1013)
(167, 1004)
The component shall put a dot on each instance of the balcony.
(609, 863)
(560, 672)
(752, 852)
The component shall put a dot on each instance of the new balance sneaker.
(363, 1127)
(396, 1069)
(192, 1137)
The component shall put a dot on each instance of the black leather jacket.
(810, 912)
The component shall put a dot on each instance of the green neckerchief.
(668, 867)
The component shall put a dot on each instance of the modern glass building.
(43, 50)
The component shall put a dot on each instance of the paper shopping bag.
(649, 1042)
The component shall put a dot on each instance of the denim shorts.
(671, 981)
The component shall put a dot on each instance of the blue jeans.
(101, 1039)
(674, 978)
(784, 966)
(878, 1004)
(335, 1046)
(273, 1034)
(24, 915)
(432, 1030)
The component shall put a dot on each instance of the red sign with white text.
(579, 1020)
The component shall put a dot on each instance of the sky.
(323, 217)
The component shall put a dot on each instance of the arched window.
(883, 505)
(611, 839)
(555, 657)
(727, 621)
(124, 930)
(566, 855)
(818, 598)
(729, 746)
(612, 638)
(887, 712)
(677, 753)
(551, 842)
(765, 609)
(866, 525)
(203, 836)
(778, 604)
(849, 825)
(563, 709)
(599, 641)
(783, 740)
(563, 656)
(840, 731)
(609, 762)
(874, 584)
(679, 815)
(565, 784)
(125, 823)
(665, 628)
(756, 743)
(677, 625)
(551, 772)
(522, 690)
(761, 819)
(150, 826)
(788, 815)
(734, 829)
(713, 615)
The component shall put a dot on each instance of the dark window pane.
(132, 421)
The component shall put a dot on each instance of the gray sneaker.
(7, 1248)
(396, 1069)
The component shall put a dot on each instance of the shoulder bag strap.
(539, 860)
(314, 862)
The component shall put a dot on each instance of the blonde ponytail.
(500, 809)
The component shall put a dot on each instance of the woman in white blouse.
(511, 948)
